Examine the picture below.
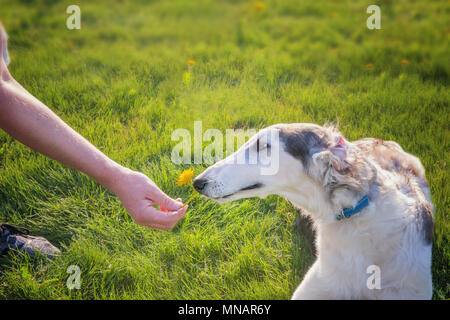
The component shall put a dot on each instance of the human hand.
(138, 193)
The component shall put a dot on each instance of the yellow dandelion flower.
(404, 62)
(191, 62)
(258, 6)
(185, 177)
(132, 92)
(369, 66)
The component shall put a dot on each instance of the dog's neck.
(319, 205)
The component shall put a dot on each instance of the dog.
(369, 202)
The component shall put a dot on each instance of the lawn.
(124, 82)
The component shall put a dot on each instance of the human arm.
(32, 123)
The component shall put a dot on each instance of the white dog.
(368, 199)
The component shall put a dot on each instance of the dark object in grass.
(18, 238)
(305, 227)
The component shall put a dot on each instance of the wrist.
(112, 176)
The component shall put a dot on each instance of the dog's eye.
(261, 146)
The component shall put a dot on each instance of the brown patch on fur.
(390, 156)
(354, 174)
(299, 140)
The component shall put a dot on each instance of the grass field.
(121, 82)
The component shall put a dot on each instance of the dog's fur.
(322, 173)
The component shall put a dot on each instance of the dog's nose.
(199, 184)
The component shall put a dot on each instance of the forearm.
(29, 121)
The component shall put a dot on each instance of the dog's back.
(390, 156)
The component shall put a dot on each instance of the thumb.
(167, 202)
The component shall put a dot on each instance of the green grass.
(119, 82)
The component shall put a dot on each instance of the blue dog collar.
(348, 212)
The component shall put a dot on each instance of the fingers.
(167, 210)
(151, 217)
(166, 202)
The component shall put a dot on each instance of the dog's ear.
(340, 149)
(335, 157)
(342, 167)
(337, 167)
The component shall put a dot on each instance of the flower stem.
(192, 196)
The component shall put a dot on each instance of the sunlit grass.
(122, 82)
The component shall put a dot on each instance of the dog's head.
(304, 163)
